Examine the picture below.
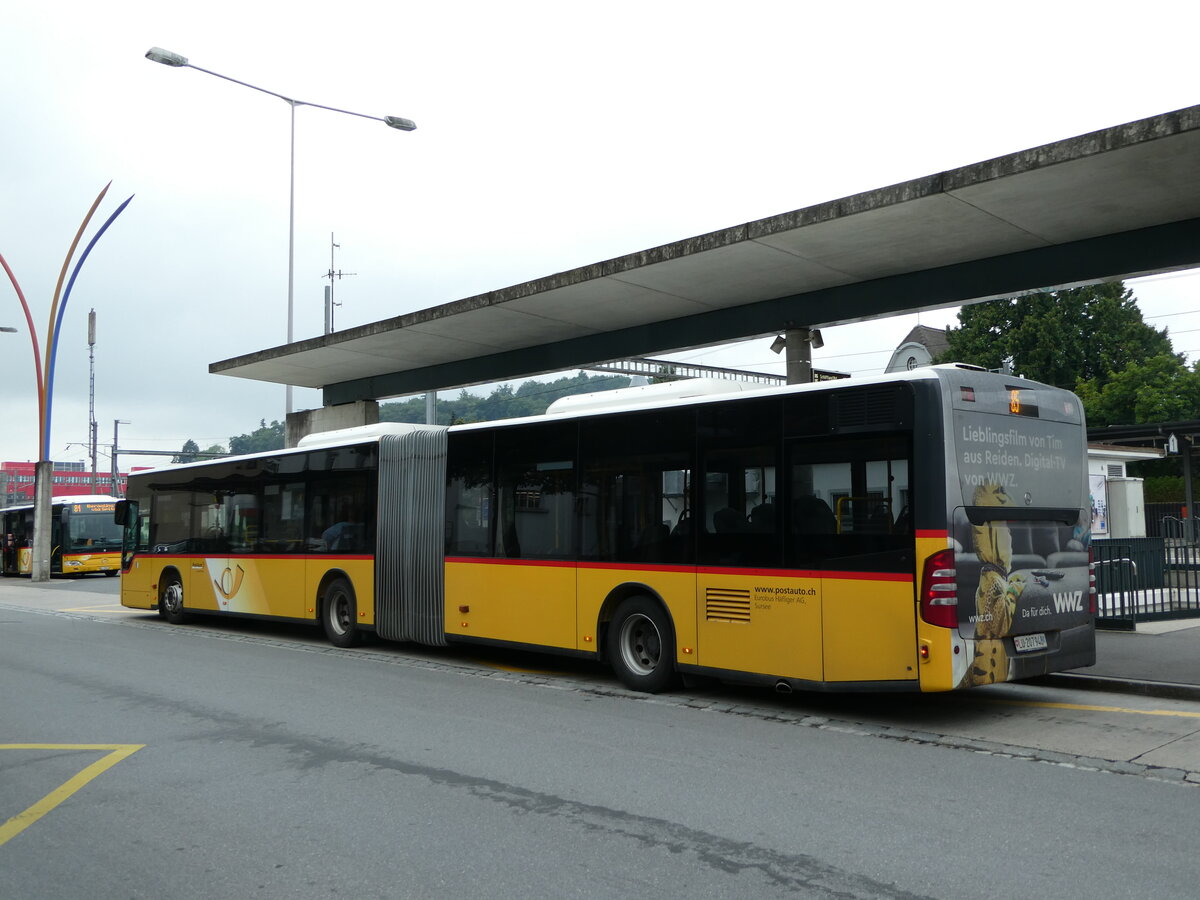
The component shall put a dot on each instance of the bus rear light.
(1093, 600)
(939, 590)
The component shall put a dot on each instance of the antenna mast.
(92, 391)
(331, 275)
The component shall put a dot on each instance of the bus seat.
(812, 515)
(728, 521)
(651, 541)
(762, 518)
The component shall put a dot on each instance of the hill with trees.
(530, 399)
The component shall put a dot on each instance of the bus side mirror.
(121, 512)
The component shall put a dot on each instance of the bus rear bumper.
(1076, 649)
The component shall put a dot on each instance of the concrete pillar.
(330, 418)
(43, 492)
(800, 342)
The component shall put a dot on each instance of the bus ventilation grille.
(873, 406)
(726, 605)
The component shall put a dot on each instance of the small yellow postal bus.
(83, 537)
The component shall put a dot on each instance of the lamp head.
(402, 124)
(166, 57)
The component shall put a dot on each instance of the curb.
(1162, 689)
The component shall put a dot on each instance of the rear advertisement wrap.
(1021, 533)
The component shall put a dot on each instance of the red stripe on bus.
(932, 533)
(507, 561)
(327, 556)
(810, 573)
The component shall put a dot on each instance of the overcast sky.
(550, 136)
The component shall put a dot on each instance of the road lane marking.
(1085, 707)
(23, 820)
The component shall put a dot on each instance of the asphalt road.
(255, 761)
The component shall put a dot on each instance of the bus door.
(223, 578)
(754, 611)
(849, 499)
(58, 534)
(8, 542)
(526, 592)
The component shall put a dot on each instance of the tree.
(265, 437)
(665, 373)
(1159, 389)
(187, 453)
(1089, 333)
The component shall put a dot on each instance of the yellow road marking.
(1088, 708)
(23, 820)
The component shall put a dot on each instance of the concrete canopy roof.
(1115, 203)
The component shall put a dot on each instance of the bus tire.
(641, 645)
(170, 600)
(339, 614)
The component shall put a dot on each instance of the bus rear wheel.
(641, 646)
(339, 614)
(170, 601)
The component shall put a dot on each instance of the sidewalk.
(1159, 659)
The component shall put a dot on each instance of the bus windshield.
(90, 526)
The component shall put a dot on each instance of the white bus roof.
(642, 398)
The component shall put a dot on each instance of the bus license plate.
(1026, 643)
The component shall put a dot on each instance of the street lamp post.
(167, 58)
(4, 486)
(43, 471)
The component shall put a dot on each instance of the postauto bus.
(926, 530)
(83, 537)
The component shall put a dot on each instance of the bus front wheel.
(641, 646)
(339, 613)
(170, 601)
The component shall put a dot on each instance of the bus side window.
(341, 514)
(208, 533)
(469, 496)
(740, 523)
(170, 515)
(635, 498)
(849, 500)
(241, 525)
(142, 541)
(282, 518)
(535, 479)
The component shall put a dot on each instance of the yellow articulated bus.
(920, 531)
(83, 537)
